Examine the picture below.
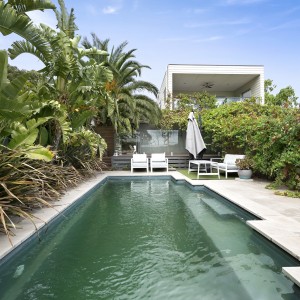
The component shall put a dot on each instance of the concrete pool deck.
(279, 216)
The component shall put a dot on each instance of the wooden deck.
(178, 161)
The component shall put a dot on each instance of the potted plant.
(245, 166)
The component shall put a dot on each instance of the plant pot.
(245, 174)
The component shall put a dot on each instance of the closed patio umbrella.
(194, 142)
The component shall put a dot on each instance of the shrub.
(269, 135)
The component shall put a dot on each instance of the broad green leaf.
(3, 68)
(24, 138)
(26, 135)
(12, 110)
(12, 89)
(43, 140)
(22, 6)
(33, 123)
(40, 153)
(65, 128)
(81, 118)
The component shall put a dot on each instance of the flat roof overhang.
(213, 83)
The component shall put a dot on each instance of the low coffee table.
(202, 167)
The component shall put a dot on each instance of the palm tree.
(126, 105)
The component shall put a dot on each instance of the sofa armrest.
(216, 159)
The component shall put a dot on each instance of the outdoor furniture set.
(203, 167)
(227, 165)
(157, 161)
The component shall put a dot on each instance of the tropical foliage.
(286, 96)
(125, 105)
(268, 134)
(177, 118)
(48, 141)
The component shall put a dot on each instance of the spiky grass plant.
(26, 184)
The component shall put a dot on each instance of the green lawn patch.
(193, 175)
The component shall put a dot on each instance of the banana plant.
(16, 123)
(13, 19)
(10, 106)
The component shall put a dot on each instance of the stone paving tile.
(284, 234)
(293, 273)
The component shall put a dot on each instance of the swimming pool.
(150, 239)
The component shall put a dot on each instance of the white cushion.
(139, 157)
(228, 166)
(231, 158)
(158, 157)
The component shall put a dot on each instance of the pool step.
(234, 250)
(217, 207)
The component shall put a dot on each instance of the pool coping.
(275, 225)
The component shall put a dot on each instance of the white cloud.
(175, 39)
(198, 10)
(218, 23)
(193, 39)
(113, 7)
(242, 2)
(110, 10)
(209, 39)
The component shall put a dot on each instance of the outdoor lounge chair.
(158, 161)
(139, 161)
(228, 165)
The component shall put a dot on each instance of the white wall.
(256, 85)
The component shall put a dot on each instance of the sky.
(222, 32)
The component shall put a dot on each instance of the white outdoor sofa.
(228, 164)
(158, 161)
(139, 161)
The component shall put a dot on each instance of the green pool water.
(149, 239)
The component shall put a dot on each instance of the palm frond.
(22, 6)
(11, 22)
(141, 85)
(115, 53)
(66, 21)
(20, 47)
(71, 26)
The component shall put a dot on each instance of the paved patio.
(280, 216)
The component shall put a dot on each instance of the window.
(246, 94)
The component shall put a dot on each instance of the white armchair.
(228, 165)
(159, 161)
(139, 161)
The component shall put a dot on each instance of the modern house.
(226, 82)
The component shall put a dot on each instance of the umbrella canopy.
(194, 142)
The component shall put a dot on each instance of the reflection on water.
(149, 239)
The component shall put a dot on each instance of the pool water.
(150, 239)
